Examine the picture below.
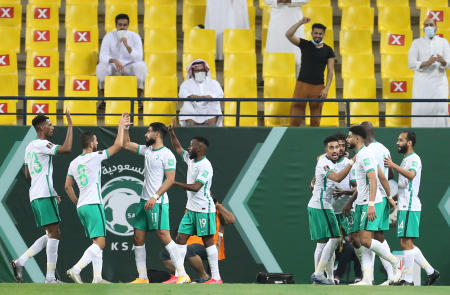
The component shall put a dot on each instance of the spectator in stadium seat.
(121, 54)
(429, 57)
(198, 84)
(316, 55)
(282, 15)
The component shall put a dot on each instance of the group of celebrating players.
(354, 195)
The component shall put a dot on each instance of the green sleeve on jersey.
(371, 169)
(56, 149)
(107, 154)
(328, 172)
(70, 175)
(182, 154)
(138, 148)
(199, 180)
(412, 169)
(353, 180)
(169, 169)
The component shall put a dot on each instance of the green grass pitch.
(225, 289)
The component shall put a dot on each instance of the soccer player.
(85, 170)
(409, 208)
(153, 211)
(368, 210)
(200, 216)
(43, 197)
(323, 224)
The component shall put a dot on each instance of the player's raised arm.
(115, 148)
(66, 148)
(173, 138)
(410, 174)
(339, 176)
(69, 189)
(127, 144)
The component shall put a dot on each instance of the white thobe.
(225, 14)
(207, 87)
(429, 82)
(282, 17)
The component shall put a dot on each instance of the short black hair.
(86, 138)
(202, 140)
(410, 135)
(318, 26)
(358, 130)
(38, 120)
(369, 128)
(329, 139)
(340, 136)
(159, 127)
(122, 16)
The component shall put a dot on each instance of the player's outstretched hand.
(305, 20)
(150, 203)
(68, 117)
(338, 193)
(371, 213)
(388, 162)
(172, 124)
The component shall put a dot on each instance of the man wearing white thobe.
(429, 57)
(283, 14)
(200, 85)
(121, 54)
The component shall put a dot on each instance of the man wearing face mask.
(200, 85)
(316, 55)
(429, 57)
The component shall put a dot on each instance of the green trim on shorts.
(92, 217)
(322, 224)
(362, 223)
(198, 223)
(408, 223)
(155, 219)
(384, 223)
(45, 211)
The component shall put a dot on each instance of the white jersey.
(365, 162)
(408, 190)
(157, 162)
(201, 171)
(323, 187)
(338, 204)
(38, 158)
(86, 170)
(380, 152)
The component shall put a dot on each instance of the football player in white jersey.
(153, 211)
(200, 216)
(43, 197)
(409, 208)
(85, 171)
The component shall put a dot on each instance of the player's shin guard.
(381, 251)
(97, 265)
(408, 265)
(88, 255)
(367, 264)
(420, 259)
(213, 259)
(172, 248)
(386, 264)
(328, 251)
(329, 269)
(37, 247)
(52, 257)
(141, 261)
(317, 254)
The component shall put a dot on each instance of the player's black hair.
(86, 138)
(340, 136)
(38, 120)
(159, 127)
(329, 139)
(202, 140)
(358, 130)
(370, 132)
(319, 26)
(410, 136)
(122, 16)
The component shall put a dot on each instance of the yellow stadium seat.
(70, 2)
(161, 64)
(160, 40)
(358, 66)
(82, 39)
(355, 42)
(395, 65)
(41, 107)
(278, 64)
(206, 56)
(79, 62)
(352, 3)
(444, 34)
(240, 87)
(84, 15)
(45, 62)
(328, 39)
(8, 62)
(362, 88)
(238, 41)
(434, 3)
(278, 87)
(251, 18)
(41, 38)
(160, 87)
(115, 7)
(318, 14)
(199, 40)
(9, 86)
(159, 2)
(397, 87)
(262, 4)
(357, 18)
(119, 86)
(265, 26)
(43, 15)
(394, 18)
(239, 64)
(440, 14)
(250, 3)
(41, 85)
(10, 38)
(318, 3)
(160, 16)
(52, 2)
(81, 86)
(329, 108)
(8, 106)
(193, 15)
(10, 14)
(395, 41)
(391, 3)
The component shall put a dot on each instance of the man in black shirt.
(316, 55)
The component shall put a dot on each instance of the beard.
(193, 155)
(94, 149)
(351, 145)
(150, 142)
(402, 149)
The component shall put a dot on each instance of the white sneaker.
(101, 281)
(385, 283)
(74, 276)
(53, 281)
(397, 270)
(362, 283)
(321, 279)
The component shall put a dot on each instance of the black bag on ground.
(274, 278)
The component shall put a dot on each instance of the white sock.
(172, 248)
(328, 251)
(420, 260)
(330, 267)
(141, 261)
(52, 257)
(408, 265)
(97, 264)
(386, 264)
(358, 253)
(87, 258)
(381, 251)
(182, 249)
(213, 259)
(37, 247)
(318, 253)
(367, 264)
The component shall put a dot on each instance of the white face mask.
(121, 33)
(199, 76)
(430, 32)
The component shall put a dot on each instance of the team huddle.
(152, 213)
(354, 195)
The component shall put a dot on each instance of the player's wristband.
(371, 204)
(156, 197)
(351, 162)
(389, 198)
